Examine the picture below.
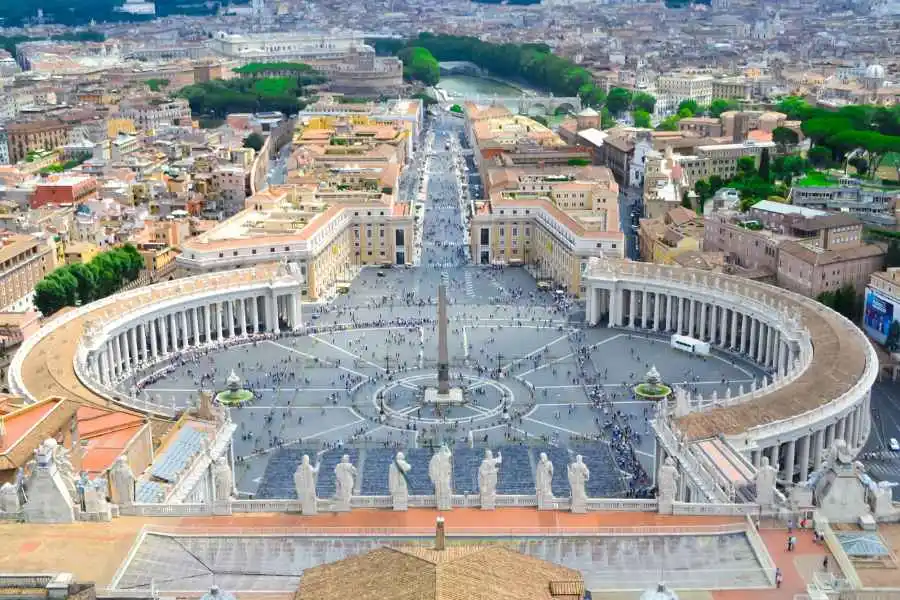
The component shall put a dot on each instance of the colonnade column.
(804, 458)
(254, 306)
(692, 322)
(195, 323)
(142, 340)
(745, 339)
(789, 461)
(734, 320)
(670, 311)
(817, 440)
(242, 315)
(655, 314)
(645, 302)
(229, 314)
(632, 308)
(153, 346)
(103, 360)
(207, 323)
(218, 321)
(680, 321)
(163, 335)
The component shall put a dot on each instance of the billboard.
(878, 315)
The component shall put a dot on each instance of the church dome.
(588, 112)
(875, 72)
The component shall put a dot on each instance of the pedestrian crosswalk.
(884, 469)
(470, 285)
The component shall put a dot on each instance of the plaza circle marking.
(474, 380)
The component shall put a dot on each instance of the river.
(467, 86)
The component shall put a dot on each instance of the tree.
(641, 118)
(255, 141)
(618, 100)
(606, 119)
(49, 296)
(420, 64)
(819, 157)
(686, 200)
(845, 301)
(764, 165)
(456, 108)
(860, 164)
(892, 343)
(746, 165)
(643, 101)
(688, 105)
(785, 138)
(669, 124)
(720, 105)
(87, 282)
(892, 258)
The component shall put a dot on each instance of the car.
(379, 274)
(894, 444)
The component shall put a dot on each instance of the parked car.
(894, 444)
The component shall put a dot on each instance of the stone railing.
(691, 467)
(690, 508)
(759, 549)
(837, 550)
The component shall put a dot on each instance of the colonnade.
(151, 338)
(734, 326)
(706, 319)
(798, 456)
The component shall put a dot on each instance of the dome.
(589, 112)
(875, 72)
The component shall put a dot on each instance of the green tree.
(669, 124)
(255, 141)
(606, 119)
(420, 64)
(784, 138)
(746, 165)
(688, 105)
(68, 284)
(892, 257)
(686, 200)
(87, 282)
(892, 343)
(456, 108)
(641, 118)
(819, 157)
(860, 164)
(844, 300)
(618, 100)
(764, 165)
(49, 296)
(720, 105)
(643, 101)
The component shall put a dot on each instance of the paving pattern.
(533, 377)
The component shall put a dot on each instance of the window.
(234, 253)
(271, 249)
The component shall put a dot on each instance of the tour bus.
(689, 344)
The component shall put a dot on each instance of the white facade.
(673, 89)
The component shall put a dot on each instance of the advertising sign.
(878, 315)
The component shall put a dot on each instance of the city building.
(808, 253)
(23, 138)
(329, 230)
(673, 89)
(24, 261)
(663, 239)
(72, 189)
(869, 202)
(551, 220)
(151, 113)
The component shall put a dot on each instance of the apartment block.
(24, 261)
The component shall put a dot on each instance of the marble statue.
(667, 485)
(882, 499)
(579, 474)
(728, 393)
(344, 478)
(9, 499)
(305, 484)
(543, 478)
(440, 470)
(398, 482)
(487, 479)
(223, 481)
(766, 476)
(95, 503)
(741, 390)
(122, 482)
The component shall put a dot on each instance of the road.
(882, 463)
(630, 210)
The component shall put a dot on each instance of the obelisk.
(443, 356)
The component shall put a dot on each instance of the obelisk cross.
(443, 358)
